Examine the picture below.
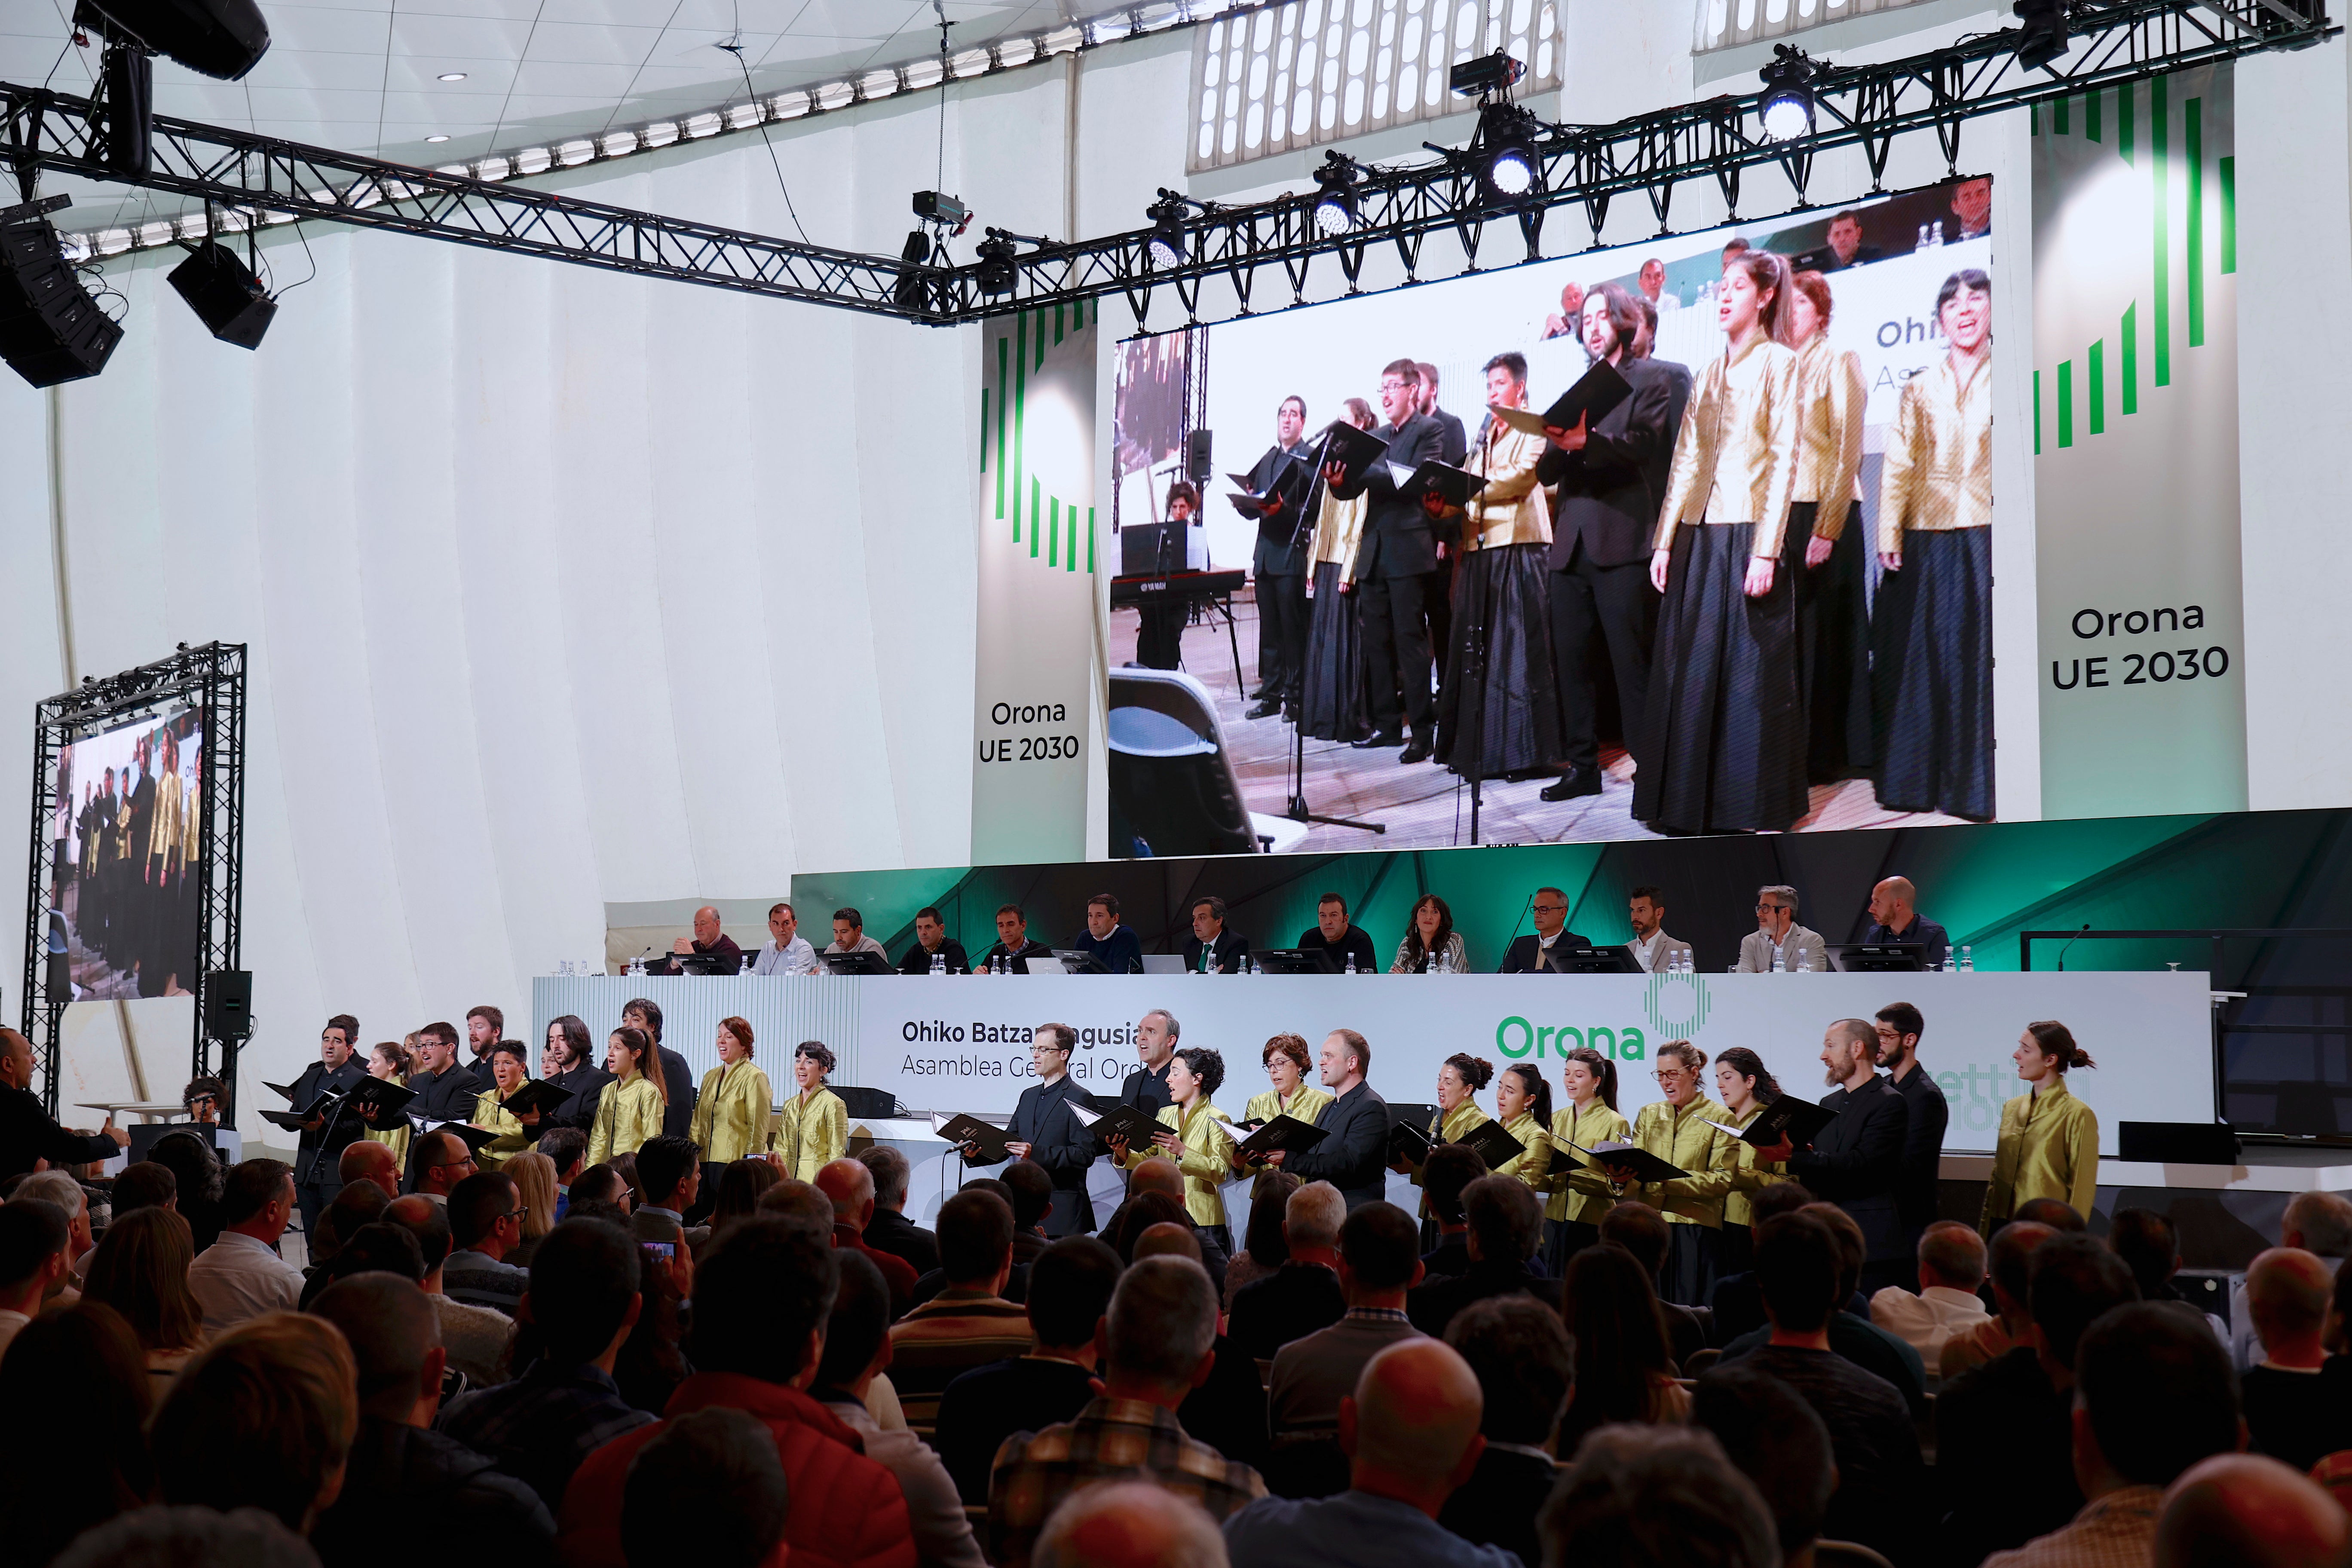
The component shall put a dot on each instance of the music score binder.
(1596, 392)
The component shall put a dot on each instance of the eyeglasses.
(1550, 909)
(1671, 1075)
(1769, 909)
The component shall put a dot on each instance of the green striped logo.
(1050, 524)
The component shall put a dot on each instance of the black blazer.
(1609, 493)
(1519, 958)
(892, 1232)
(1278, 553)
(1457, 445)
(585, 1085)
(677, 1121)
(347, 1129)
(1398, 541)
(1916, 1189)
(1353, 1155)
(28, 1133)
(1145, 1091)
(1231, 946)
(1432, 1303)
(1042, 1119)
(1857, 1160)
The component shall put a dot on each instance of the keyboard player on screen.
(1160, 629)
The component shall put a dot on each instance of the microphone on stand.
(2071, 941)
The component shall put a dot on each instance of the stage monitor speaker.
(228, 1004)
(2178, 1142)
(51, 330)
(1196, 458)
(57, 986)
(225, 294)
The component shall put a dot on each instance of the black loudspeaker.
(225, 294)
(51, 330)
(220, 38)
(228, 1004)
(1196, 458)
(58, 984)
(127, 73)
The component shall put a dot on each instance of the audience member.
(2057, 1214)
(652, 1363)
(163, 1537)
(849, 1186)
(1951, 1270)
(1658, 1497)
(1302, 1294)
(1157, 1344)
(478, 1339)
(583, 1303)
(969, 1323)
(1070, 1290)
(1450, 1168)
(141, 1270)
(2148, 1243)
(1410, 1429)
(197, 1174)
(359, 1204)
(1642, 1231)
(2155, 1395)
(33, 1239)
(857, 1350)
(440, 1160)
(2295, 1401)
(762, 1302)
(801, 1206)
(1797, 1262)
(1525, 1366)
(1506, 1221)
(74, 1399)
(566, 1149)
(1130, 1525)
(740, 1187)
(1852, 1334)
(2318, 1223)
(263, 1416)
(1159, 1178)
(240, 1275)
(1227, 1411)
(1623, 1369)
(2240, 1510)
(1774, 1438)
(436, 1488)
(709, 1490)
(1030, 1187)
(2020, 1408)
(369, 1161)
(2011, 1323)
(1262, 1249)
(1379, 1263)
(72, 1200)
(534, 1174)
(144, 1184)
(485, 1224)
(890, 1230)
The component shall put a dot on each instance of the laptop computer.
(1163, 964)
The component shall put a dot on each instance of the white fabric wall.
(567, 589)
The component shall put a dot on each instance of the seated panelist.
(1211, 946)
(1012, 942)
(1552, 939)
(933, 944)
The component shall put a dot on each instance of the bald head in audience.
(803, 1207)
(1130, 1525)
(367, 1160)
(1157, 1176)
(1167, 1239)
(849, 1185)
(2287, 1291)
(1411, 1432)
(2241, 1510)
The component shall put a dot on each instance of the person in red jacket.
(761, 1297)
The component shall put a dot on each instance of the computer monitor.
(1295, 961)
(707, 962)
(1597, 961)
(144, 1134)
(1878, 958)
(856, 962)
(1163, 964)
(1077, 960)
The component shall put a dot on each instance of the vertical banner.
(2136, 449)
(1035, 634)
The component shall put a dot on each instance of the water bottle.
(1967, 959)
(747, 965)
(1923, 240)
(1939, 232)
(1780, 961)
(1352, 964)
(938, 964)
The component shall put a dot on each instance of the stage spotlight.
(913, 290)
(2040, 33)
(1505, 152)
(225, 294)
(997, 273)
(1787, 110)
(51, 330)
(221, 38)
(1167, 247)
(1487, 74)
(1335, 207)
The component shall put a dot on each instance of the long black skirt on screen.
(1931, 674)
(1727, 724)
(1509, 694)
(1833, 633)
(1331, 704)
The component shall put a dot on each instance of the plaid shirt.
(540, 1427)
(2117, 1531)
(1109, 1439)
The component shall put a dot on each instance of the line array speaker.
(51, 330)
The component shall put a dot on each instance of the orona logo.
(1677, 1007)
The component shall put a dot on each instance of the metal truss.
(261, 179)
(211, 679)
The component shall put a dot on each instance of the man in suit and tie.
(1279, 569)
(1044, 1130)
(1396, 567)
(1211, 945)
(1353, 1153)
(1778, 935)
(1611, 479)
(1856, 1162)
(1527, 954)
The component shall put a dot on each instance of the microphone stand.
(1303, 538)
(319, 1150)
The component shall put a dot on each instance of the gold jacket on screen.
(1831, 396)
(1511, 509)
(1937, 472)
(1736, 457)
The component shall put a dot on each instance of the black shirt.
(2298, 1417)
(444, 1096)
(585, 1085)
(1995, 1422)
(1917, 1187)
(1029, 948)
(347, 1129)
(918, 959)
(1880, 1481)
(1146, 1089)
(1921, 931)
(1353, 943)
